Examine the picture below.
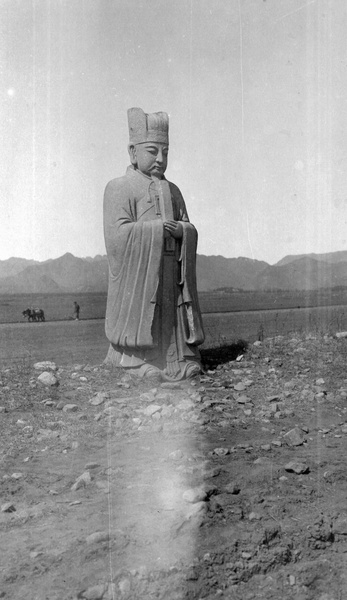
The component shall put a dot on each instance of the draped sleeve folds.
(135, 244)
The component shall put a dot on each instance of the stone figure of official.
(153, 319)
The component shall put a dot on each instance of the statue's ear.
(132, 154)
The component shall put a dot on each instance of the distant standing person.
(76, 314)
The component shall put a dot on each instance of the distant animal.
(27, 313)
(34, 314)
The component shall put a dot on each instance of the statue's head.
(148, 141)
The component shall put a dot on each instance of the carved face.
(150, 158)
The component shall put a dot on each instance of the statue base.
(144, 370)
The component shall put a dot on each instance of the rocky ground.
(232, 485)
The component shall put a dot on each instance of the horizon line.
(300, 255)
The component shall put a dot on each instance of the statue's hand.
(174, 228)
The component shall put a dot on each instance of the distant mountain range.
(71, 274)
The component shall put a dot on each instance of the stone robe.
(152, 316)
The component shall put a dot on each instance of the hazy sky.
(256, 93)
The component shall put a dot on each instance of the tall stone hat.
(143, 127)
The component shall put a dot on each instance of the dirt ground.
(232, 485)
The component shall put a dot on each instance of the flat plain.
(65, 340)
(84, 341)
(59, 307)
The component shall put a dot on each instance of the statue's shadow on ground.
(215, 356)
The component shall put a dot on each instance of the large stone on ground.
(294, 437)
(297, 467)
(48, 379)
(340, 525)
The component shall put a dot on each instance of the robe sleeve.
(187, 261)
(134, 251)
(189, 285)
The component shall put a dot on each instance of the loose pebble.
(151, 409)
(194, 495)
(70, 408)
(95, 592)
(124, 586)
(253, 516)
(44, 365)
(221, 451)
(92, 465)
(97, 537)
(8, 507)
(82, 481)
(176, 455)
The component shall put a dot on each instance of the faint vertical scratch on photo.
(109, 500)
(190, 67)
(248, 235)
(241, 76)
(33, 196)
(48, 92)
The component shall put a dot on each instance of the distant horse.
(27, 313)
(34, 314)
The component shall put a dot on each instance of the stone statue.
(153, 319)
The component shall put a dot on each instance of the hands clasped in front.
(174, 228)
